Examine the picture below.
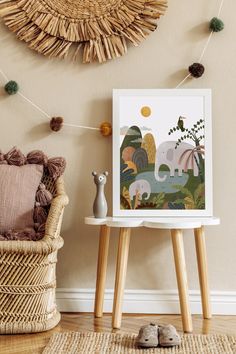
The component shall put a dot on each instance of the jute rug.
(74, 342)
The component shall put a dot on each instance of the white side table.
(176, 227)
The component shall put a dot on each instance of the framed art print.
(162, 153)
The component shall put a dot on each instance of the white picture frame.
(156, 112)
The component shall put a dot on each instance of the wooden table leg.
(101, 269)
(181, 274)
(121, 268)
(203, 271)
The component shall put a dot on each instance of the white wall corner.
(145, 301)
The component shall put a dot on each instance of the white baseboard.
(145, 301)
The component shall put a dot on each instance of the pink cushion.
(18, 186)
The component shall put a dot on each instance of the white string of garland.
(195, 70)
(205, 46)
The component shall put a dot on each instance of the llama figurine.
(100, 203)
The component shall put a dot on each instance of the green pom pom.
(11, 87)
(216, 25)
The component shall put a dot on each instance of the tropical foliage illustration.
(196, 134)
(169, 175)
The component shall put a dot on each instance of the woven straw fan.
(101, 28)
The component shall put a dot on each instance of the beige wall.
(82, 94)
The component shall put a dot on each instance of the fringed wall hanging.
(9, 10)
(101, 28)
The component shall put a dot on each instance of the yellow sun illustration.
(146, 111)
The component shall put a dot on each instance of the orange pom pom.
(106, 129)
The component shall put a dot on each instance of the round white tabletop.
(158, 223)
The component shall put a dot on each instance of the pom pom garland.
(11, 87)
(56, 123)
(106, 129)
(216, 25)
(196, 70)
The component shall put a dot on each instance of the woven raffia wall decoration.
(101, 28)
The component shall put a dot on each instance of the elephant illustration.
(184, 157)
(142, 186)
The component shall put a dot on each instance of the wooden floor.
(34, 343)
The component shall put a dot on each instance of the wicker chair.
(27, 274)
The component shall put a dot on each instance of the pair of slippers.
(152, 335)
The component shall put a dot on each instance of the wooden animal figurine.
(100, 203)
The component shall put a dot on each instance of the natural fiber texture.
(73, 343)
(101, 27)
(27, 273)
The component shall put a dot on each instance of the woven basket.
(27, 274)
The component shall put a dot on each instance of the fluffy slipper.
(168, 336)
(148, 336)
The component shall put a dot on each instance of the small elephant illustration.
(142, 186)
(100, 203)
(176, 159)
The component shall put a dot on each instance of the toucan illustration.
(181, 123)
